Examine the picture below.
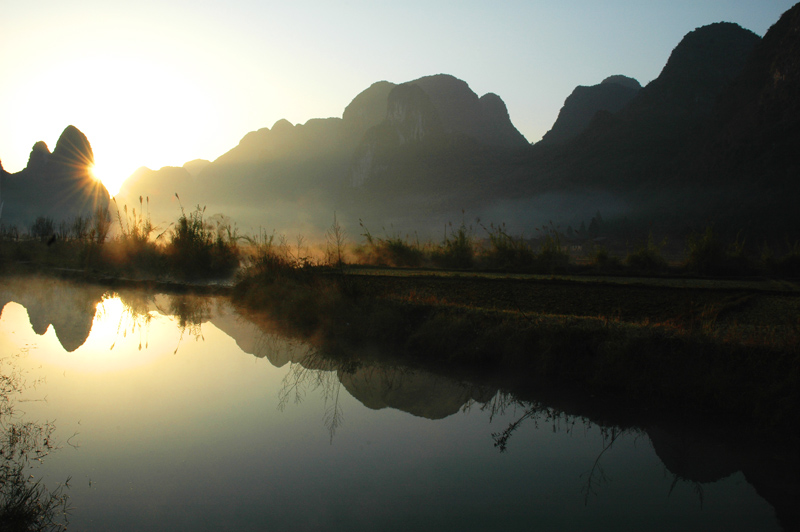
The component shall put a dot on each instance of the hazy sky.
(160, 82)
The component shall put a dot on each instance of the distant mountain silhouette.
(58, 184)
(298, 175)
(713, 137)
(439, 112)
(196, 166)
(584, 103)
(751, 147)
(648, 138)
(637, 160)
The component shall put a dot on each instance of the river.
(176, 412)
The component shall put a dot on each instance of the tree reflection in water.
(539, 414)
(25, 503)
(314, 372)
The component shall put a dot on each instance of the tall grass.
(198, 248)
(552, 255)
(134, 249)
(392, 250)
(506, 252)
(457, 250)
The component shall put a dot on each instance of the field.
(747, 304)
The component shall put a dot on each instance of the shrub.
(552, 256)
(789, 264)
(198, 249)
(389, 251)
(335, 244)
(647, 258)
(506, 252)
(134, 249)
(270, 261)
(456, 250)
(707, 255)
(605, 261)
(43, 228)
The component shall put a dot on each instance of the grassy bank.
(197, 246)
(125, 245)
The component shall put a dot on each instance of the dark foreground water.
(175, 413)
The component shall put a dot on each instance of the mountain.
(611, 95)
(713, 137)
(438, 152)
(294, 177)
(751, 145)
(634, 163)
(195, 166)
(58, 185)
(438, 111)
(646, 141)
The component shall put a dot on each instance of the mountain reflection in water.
(593, 453)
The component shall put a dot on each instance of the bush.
(647, 258)
(605, 261)
(134, 249)
(389, 251)
(270, 261)
(456, 251)
(506, 252)
(197, 249)
(789, 264)
(43, 228)
(552, 256)
(707, 255)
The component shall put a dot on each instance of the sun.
(111, 180)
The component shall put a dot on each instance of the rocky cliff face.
(584, 103)
(750, 150)
(484, 120)
(438, 111)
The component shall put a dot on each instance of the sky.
(161, 82)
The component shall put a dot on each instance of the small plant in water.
(25, 504)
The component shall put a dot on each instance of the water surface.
(176, 413)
